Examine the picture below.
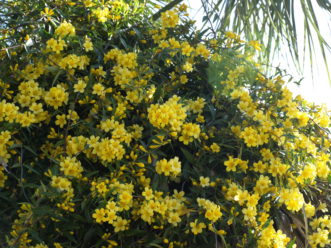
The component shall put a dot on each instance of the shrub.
(119, 131)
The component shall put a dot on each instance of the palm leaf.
(273, 23)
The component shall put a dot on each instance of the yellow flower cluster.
(196, 227)
(232, 38)
(65, 29)
(56, 46)
(169, 19)
(212, 210)
(31, 71)
(102, 14)
(109, 11)
(88, 45)
(110, 213)
(189, 131)
(170, 115)
(168, 168)
(232, 163)
(80, 86)
(202, 50)
(61, 183)
(252, 137)
(118, 130)
(64, 185)
(262, 185)
(3, 176)
(156, 208)
(5, 144)
(71, 167)
(72, 61)
(108, 150)
(322, 228)
(215, 148)
(272, 238)
(18, 231)
(56, 97)
(196, 106)
(292, 198)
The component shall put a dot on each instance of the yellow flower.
(88, 45)
(309, 172)
(262, 185)
(3, 177)
(47, 12)
(148, 193)
(186, 49)
(57, 245)
(120, 224)
(61, 120)
(197, 105)
(183, 7)
(230, 164)
(249, 213)
(215, 148)
(125, 197)
(56, 97)
(319, 238)
(169, 19)
(292, 198)
(202, 50)
(79, 86)
(189, 131)
(71, 167)
(99, 89)
(255, 44)
(99, 215)
(196, 227)
(242, 197)
(259, 167)
(309, 210)
(204, 181)
(252, 200)
(168, 168)
(213, 213)
(61, 183)
(40, 246)
(65, 29)
(101, 14)
(36, 107)
(188, 67)
(56, 45)
(170, 115)
(173, 218)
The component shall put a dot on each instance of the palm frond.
(273, 23)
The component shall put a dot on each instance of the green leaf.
(30, 150)
(34, 235)
(278, 20)
(88, 237)
(291, 244)
(126, 46)
(188, 155)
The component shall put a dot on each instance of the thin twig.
(207, 15)
(22, 173)
(12, 47)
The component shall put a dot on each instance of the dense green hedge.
(120, 131)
